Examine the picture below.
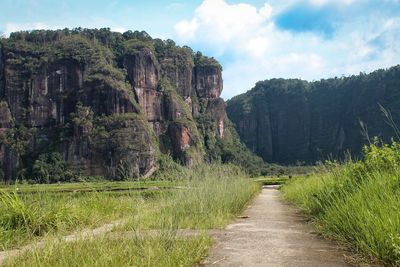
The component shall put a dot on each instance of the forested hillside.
(290, 120)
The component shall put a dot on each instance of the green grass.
(86, 186)
(272, 180)
(163, 251)
(26, 217)
(208, 197)
(357, 203)
(212, 198)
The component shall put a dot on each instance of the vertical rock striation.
(289, 121)
(107, 102)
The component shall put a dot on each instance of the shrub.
(49, 168)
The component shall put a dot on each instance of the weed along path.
(272, 233)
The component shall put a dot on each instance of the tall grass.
(358, 202)
(209, 197)
(216, 194)
(108, 251)
(24, 217)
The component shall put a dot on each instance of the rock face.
(5, 121)
(290, 121)
(107, 102)
(208, 81)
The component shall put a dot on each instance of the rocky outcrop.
(289, 121)
(217, 108)
(2, 69)
(179, 71)
(5, 121)
(143, 73)
(208, 81)
(107, 105)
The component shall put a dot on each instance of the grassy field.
(28, 212)
(272, 180)
(87, 186)
(208, 197)
(357, 203)
(163, 251)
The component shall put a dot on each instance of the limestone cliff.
(290, 121)
(107, 102)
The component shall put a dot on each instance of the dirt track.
(274, 234)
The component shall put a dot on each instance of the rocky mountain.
(97, 102)
(289, 121)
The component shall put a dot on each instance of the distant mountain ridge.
(291, 120)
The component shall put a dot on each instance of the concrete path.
(274, 234)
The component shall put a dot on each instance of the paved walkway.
(274, 234)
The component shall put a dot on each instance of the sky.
(253, 40)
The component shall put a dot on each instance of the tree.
(49, 168)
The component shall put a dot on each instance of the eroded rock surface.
(289, 121)
(107, 102)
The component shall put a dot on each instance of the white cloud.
(254, 48)
(118, 29)
(217, 20)
(325, 2)
(186, 29)
(14, 27)
(266, 10)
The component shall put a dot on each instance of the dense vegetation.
(357, 203)
(295, 121)
(208, 197)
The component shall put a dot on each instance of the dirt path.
(274, 234)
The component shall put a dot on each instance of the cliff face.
(290, 121)
(107, 105)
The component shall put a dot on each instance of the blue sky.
(254, 40)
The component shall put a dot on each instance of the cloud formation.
(14, 27)
(309, 39)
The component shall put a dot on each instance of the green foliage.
(208, 129)
(235, 152)
(358, 202)
(121, 138)
(124, 171)
(76, 48)
(167, 168)
(83, 116)
(202, 61)
(134, 46)
(18, 137)
(50, 168)
(173, 56)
